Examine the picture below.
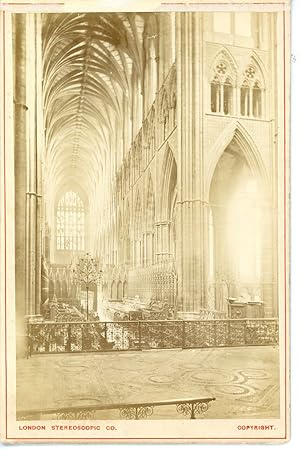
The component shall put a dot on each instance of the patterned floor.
(245, 381)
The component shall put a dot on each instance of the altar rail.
(190, 408)
(55, 337)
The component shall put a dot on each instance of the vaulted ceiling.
(88, 61)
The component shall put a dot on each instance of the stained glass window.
(70, 223)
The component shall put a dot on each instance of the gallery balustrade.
(66, 337)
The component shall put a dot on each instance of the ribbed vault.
(88, 63)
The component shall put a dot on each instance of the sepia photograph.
(146, 221)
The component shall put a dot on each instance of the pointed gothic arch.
(261, 72)
(168, 184)
(168, 202)
(238, 204)
(236, 131)
(228, 65)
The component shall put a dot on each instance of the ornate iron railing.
(190, 408)
(57, 337)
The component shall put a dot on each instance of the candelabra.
(87, 273)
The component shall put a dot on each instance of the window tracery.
(222, 88)
(70, 223)
(227, 96)
(252, 93)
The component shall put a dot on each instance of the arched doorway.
(235, 229)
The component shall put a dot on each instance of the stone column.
(20, 119)
(44, 281)
(191, 213)
(27, 151)
(34, 177)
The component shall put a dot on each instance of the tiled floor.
(245, 381)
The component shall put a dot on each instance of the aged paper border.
(156, 431)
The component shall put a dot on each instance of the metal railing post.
(105, 331)
(140, 334)
(215, 333)
(245, 332)
(69, 337)
(229, 333)
(161, 335)
(193, 411)
(183, 334)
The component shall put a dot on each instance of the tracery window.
(215, 95)
(251, 93)
(257, 100)
(70, 223)
(221, 89)
(245, 95)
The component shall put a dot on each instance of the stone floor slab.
(245, 381)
